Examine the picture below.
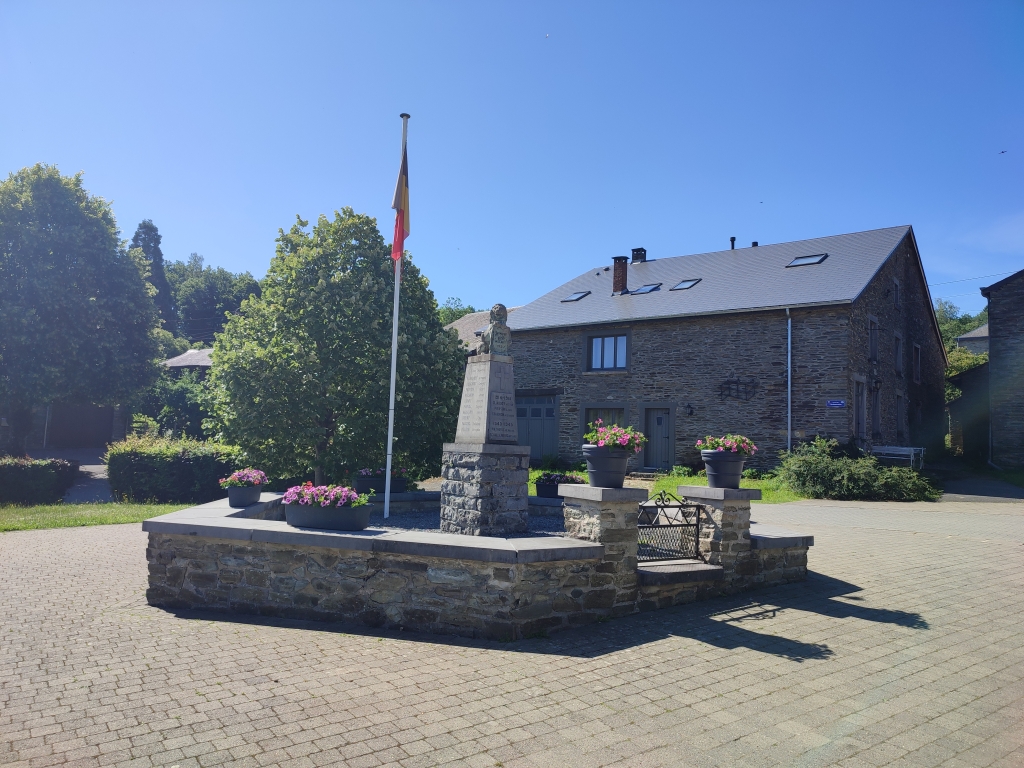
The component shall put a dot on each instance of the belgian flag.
(401, 203)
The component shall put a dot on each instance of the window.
(901, 417)
(607, 416)
(803, 261)
(576, 296)
(896, 293)
(647, 288)
(607, 353)
(873, 339)
(686, 284)
(917, 363)
(876, 414)
(898, 354)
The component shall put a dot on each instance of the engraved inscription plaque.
(473, 413)
(502, 425)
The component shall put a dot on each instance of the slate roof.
(980, 332)
(194, 358)
(1001, 284)
(467, 326)
(730, 281)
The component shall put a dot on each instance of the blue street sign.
(835, 403)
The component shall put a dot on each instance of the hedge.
(822, 470)
(35, 481)
(156, 469)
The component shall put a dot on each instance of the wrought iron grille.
(669, 529)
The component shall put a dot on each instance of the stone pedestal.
(488, 410)
(484, 492)
(725, 537)
(607, 516)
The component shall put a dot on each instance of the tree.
(176, 401)
(203, 296)
(953, 323)
(452, 310)
(300, 374)
(77, 317)
(147, 238)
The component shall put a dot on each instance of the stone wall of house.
(1006, 371)
(701, 364)
(729, 370)
(432, 594)
(911, 319)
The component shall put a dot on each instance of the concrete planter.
(243, 496)
(330, 518)
(724, 468)
(547, 490)
(606, 466)
(365, 484)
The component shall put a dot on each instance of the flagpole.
(394, 356)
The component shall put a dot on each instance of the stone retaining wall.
(441, 595)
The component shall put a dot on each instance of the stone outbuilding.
(834, 336)
(1006, 371)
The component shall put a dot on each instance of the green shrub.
(35, 481)
(681, 470)
(156, 469)
(822, 470)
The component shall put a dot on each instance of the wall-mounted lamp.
(689, 410)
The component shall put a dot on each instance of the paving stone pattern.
(903, 648)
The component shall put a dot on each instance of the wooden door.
(658, 451)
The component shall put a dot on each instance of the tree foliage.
(176, 402)
(953, 322)
(147, 239)
(77, 317)
(300, 375)
(203, 296)
(453, 309)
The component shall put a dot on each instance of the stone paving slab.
(904, 648)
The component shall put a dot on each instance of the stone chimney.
(619, 273)
(639, 255)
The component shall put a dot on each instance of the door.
(860, 406)
(658, 451)
(538, 425)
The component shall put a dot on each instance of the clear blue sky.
(545, 137)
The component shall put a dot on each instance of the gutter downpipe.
(789, 381)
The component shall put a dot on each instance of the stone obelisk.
(485, 470)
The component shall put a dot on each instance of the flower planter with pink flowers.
(333, 507)
(244, 486)
(607, 452)
(724, 458)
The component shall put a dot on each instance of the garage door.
(538, 424)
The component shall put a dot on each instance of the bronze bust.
(497, 338)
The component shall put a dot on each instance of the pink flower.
(600, 443)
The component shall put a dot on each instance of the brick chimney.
(619, 267)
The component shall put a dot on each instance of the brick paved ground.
(905, 648)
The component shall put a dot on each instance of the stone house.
(976, 341)
(1006, 370)
(833, 336)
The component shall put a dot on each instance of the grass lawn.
(72, 515)
(772, 491)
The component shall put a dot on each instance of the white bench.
(898, 454)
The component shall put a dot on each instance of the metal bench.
(898, 454)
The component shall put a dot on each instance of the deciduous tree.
(77, 317)
(300, 374)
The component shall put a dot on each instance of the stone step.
(677, 572)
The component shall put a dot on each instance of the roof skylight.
(576, 296)
(682, 286)
(647, 288)
(801, 261)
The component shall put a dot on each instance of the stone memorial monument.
(485, 470)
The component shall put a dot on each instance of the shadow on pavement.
(725, 623)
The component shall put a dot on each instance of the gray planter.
(330, 518)
(606, 466)
(547, 490)
(724, 468)
(243, 496)
(367, 483)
